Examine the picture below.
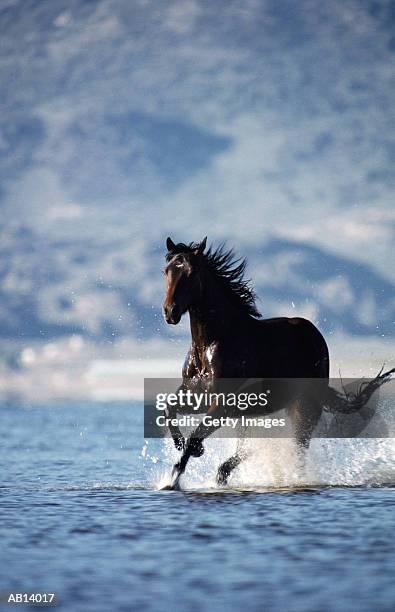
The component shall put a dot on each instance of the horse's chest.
(207, 363)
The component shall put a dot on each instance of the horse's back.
(296, 347)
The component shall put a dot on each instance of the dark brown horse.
(230, 340)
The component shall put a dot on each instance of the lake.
(82, 516)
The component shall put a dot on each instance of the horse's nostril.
(171, 313)
(167, 311)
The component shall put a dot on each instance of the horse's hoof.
(170, 487)
(222, 478)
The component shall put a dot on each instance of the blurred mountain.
(267, 124)
(52, 288)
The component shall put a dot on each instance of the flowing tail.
(348, 403)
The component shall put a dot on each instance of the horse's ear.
(202, 246)
(170, 244)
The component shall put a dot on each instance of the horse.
(230, 340)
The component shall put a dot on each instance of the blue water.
(82, 516)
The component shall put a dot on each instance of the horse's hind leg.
(226, 468)
(305, 414)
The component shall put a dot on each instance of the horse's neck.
(212, 317)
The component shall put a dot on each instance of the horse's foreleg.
(193, 448)
(178, 438)
(175, 432)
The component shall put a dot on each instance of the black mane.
(228, 270)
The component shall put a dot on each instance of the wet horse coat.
(229, 340)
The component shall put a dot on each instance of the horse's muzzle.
(172, 314)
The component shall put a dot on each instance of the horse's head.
(182, 278)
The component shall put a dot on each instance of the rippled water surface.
(82, 516)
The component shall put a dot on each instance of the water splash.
(276, 463)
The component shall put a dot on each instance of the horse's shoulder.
(189, 367)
